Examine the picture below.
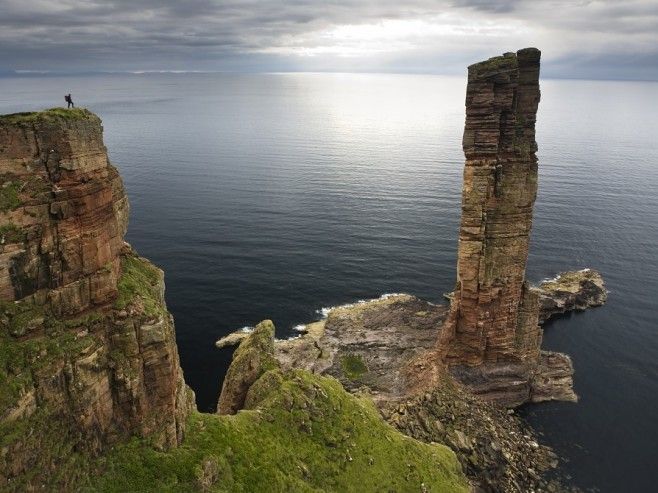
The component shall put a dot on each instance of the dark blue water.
(270, 196)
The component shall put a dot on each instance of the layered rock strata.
(68, 205)
(491, 340)
(571, 291)
(493, 311)
(88, 353)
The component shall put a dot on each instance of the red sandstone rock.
(91, 346)
(491, 338)
(73, 212)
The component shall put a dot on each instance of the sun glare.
(393, 35)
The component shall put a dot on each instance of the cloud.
(268, 35)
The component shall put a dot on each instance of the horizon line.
(65, 73)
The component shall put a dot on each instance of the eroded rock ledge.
(571, 291)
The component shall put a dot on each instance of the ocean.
(275, 195)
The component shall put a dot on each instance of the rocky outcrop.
(88, 352)
(368, 344)
(492, 315)
(253, 358)
(233, 339)
(496, 450)
(491, 339)
(569, 291)
(297, 432)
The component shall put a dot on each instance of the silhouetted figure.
(69, 101)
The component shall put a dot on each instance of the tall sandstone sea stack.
(88, 353)
(491, 339)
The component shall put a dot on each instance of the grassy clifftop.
(48, 115)
(302, 433)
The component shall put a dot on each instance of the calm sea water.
(271, 196)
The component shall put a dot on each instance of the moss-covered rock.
(353, 366)
(71, 386)
(10, 233)
(9, 196)
(304, 433)
(253, 358)
(140, 286)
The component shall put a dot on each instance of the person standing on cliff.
(69, 101)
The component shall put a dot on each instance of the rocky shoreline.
(367, 346)
(571, 291)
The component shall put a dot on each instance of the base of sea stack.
(513, 384)
(375, 349)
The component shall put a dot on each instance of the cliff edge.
(88, 354)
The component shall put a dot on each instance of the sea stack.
(89, 351)
(491, 339)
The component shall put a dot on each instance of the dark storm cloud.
(488, 6)
(298, 34)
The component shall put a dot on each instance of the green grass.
(19, 359)
(494, 64)
(47, 115)
(353, 366)
(140, 281)
(10, 233)
(9, 196)
(306, 434)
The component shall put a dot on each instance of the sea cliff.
(89, 355)
(93, 397)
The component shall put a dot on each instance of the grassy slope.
(301, 433)
(306, 433)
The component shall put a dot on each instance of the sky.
(579, 39)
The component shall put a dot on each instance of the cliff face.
(493, 308)
(88, 348)
(491, 338)
(69, 204)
